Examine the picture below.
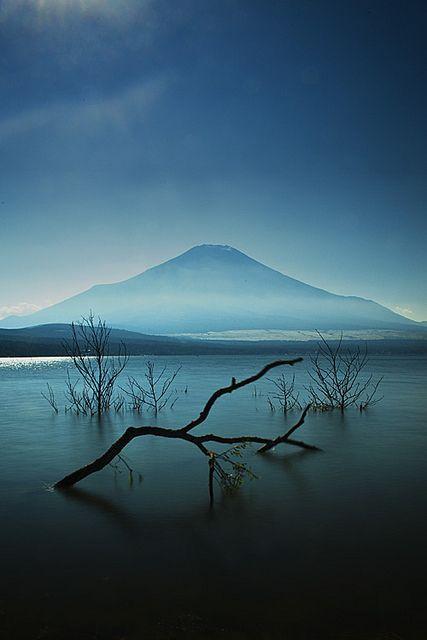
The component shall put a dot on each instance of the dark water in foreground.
(323, 545)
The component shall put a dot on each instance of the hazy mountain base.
(305, 336)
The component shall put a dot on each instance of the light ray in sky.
(42, 11)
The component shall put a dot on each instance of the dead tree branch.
(233, 387)
(215, 460)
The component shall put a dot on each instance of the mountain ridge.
(215, 287)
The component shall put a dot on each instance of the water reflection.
(34, 363)
(116, 514)
(290, 465)
(331, 540)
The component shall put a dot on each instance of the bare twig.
(50, 397)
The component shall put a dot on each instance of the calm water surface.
(323, 545)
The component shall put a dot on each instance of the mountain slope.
(216, 288)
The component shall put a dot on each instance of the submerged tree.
(284, 394)
(155, 393)
(50, 397)
(217, 461)
(89, 348)
(337, 380)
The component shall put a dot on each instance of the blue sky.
(292, 130)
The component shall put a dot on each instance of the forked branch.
(183, 433)
(233, 387)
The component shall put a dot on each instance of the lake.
(324, 544)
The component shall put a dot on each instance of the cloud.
(116, 110)
(39, 13)
(20, 309)
(404, 311)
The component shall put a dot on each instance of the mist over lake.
(324, 544)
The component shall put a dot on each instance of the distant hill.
(47, 340)
(216, 288)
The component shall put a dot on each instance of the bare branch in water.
(157, 390)
(89, 348)
(336, 380)
(217, 462)
(285, 393)
(50, 397)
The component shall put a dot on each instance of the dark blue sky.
(292, 130)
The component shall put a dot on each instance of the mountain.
(216, 288)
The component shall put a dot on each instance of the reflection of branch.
(198, 441)
(103, 505)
